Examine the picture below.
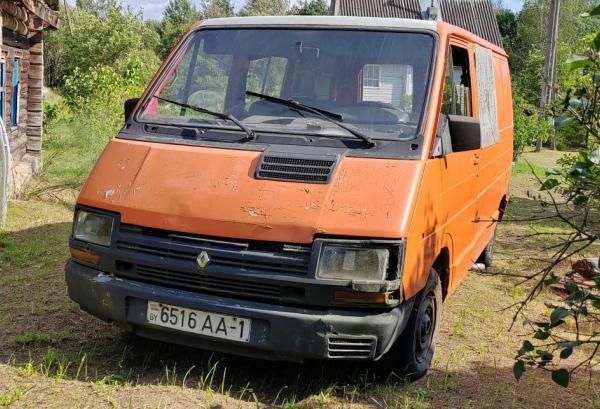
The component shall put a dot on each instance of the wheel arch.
(442, 266)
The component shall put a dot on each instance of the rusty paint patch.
(109, 192)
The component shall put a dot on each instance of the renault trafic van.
(295, 188)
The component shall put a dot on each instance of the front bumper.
(278, 332)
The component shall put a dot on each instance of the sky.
(153, 8)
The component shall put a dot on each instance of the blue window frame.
(16, 94)
(2, 90)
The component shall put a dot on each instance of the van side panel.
(496, 160)
(452, 197)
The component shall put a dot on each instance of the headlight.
(93, 228)
(353, 263)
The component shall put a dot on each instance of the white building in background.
(390, 83)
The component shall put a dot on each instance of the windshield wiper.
(328, 116)
(251, 135)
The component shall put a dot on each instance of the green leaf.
(519, 369)
(549, 184)
(565, 353)
(527, 347)
(554, 279)
(558, 314)
(576, 62)
(596, 41)
(542, 335)
(595, 11)
(562, 121)
(545, 356)
(561, 377)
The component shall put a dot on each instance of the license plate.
(199, 322)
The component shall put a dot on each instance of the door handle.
(476, 159)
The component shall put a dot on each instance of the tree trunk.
(548, 94)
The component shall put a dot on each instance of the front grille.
(235, 268)
(224, 254)
(197, 281)
(297, 168)
(351, 347)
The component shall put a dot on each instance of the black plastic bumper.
(278, 332)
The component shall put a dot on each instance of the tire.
(411, 356)
(487, 257)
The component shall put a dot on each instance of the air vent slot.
(351, 347)
(293, 167)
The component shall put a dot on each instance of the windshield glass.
(376, 82)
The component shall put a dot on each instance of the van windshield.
(373, 82)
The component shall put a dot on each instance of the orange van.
(295, 188)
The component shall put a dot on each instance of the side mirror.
(465, 133)
(129, 106)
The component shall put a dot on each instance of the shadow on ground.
(43, 333)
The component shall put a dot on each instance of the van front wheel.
(412, 354)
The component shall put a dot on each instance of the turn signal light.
(364, 298)
(84, 256)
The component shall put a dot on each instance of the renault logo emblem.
(203, 259)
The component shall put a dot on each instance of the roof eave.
(40, 9)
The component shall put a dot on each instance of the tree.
(217, 8)
(98, 41)
(181, 12)
(99, 8)
(572, 192)
(178, 18)
(310, 8)
(265, 8)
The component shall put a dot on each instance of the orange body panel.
(433, 203)
(214, 192)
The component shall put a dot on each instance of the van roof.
(439, 27)
(334, 21)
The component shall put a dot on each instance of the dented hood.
(213, 192)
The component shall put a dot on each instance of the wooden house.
(21, 82)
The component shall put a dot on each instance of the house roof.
(46, 10)
(476, 16)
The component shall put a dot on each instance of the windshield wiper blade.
(328, 116)
(295, 104)
(251, 135)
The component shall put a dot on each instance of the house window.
(16, 94)
(372, 76)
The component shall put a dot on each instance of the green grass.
(524, 168)
(10, 397)
(37, 338)
(50, 344)
(72, 143)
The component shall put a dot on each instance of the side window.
(457, 99)
(486, 96)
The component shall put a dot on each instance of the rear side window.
(457, 89)
(486, 95)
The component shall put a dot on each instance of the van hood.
(213, 192)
